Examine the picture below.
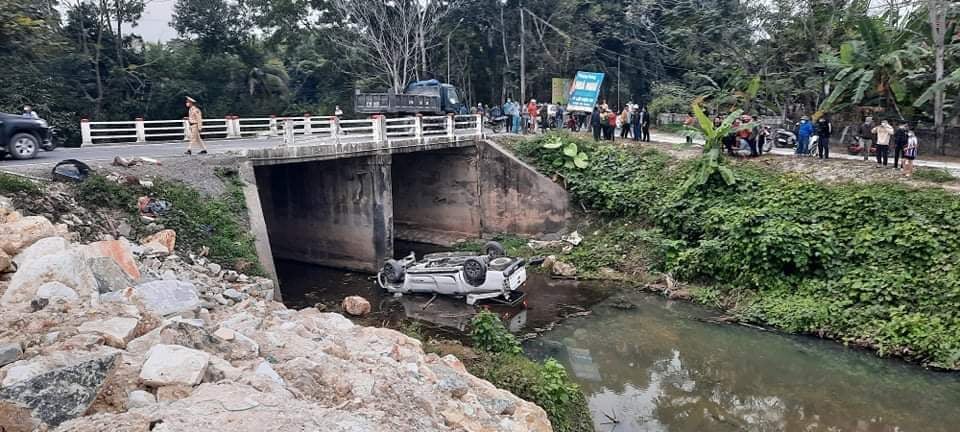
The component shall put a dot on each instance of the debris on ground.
(127, 163)
(152, 207)
(356, 305)
(114, 336)
(71, 170)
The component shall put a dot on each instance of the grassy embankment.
(218, 223)
(874, 265)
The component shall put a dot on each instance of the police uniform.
(195, 118)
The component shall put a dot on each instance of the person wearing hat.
(195, 118)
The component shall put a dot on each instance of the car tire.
(475, 271)
(393, 271)
(494, 249)
(23, 146)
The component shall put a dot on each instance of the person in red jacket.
(532, 110)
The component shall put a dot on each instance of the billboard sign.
(561, 90)
(585, 91)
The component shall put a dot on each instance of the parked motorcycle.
(497, 124)
(785, 139)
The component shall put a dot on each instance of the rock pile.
(119, 336)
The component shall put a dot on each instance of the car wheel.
(393, 271)
(494, 249)
(23, 146)
(475, 271)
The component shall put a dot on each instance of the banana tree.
(873, 67)
(712, 161)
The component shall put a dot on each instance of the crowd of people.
(877, 139)
(632, 122)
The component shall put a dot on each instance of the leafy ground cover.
(874, 265)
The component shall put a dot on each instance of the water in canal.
(664, 366)
(668, 366)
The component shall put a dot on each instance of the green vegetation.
(934, 175)
(217, 223)
(11, 184)
(873, 265)
(546, 384)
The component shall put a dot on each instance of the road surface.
(172, 149)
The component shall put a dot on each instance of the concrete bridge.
(338, 193)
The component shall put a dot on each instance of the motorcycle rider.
(824, 130)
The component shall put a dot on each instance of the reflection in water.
(660, 367)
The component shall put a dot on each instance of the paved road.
(163, 150)
(159, 150)
(679, 139)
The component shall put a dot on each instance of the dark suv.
(22, 137)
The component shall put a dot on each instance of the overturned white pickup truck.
(491, 276)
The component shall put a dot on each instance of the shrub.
(489, 334)
(11, 184)
(858, 262)
(934, 175)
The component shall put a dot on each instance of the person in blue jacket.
(804, 132)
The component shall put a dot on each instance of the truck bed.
(374, 103)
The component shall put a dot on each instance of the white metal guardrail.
(304, 130)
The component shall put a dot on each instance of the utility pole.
(618, 83)
(523, 62)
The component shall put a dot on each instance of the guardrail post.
(85, 136)
(288, 138)
(273, 125)
(233, 131)
(451, 126)
(307, 124)
(379, 135)
(141, 131)
(186, 129)
(479, 126)
(418, 127)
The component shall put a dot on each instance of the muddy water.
(548, 300)
(663, 366)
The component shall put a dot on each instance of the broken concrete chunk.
(118, 250)
(69, 268)
(173, 365)
(110, 276)
(265, 370)
(9, 352)
(56, 290)
(232, 294)
(116, 332)
(140, 399)
(168, 296)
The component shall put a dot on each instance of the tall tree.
(937, 9)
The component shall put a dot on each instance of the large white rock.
(140, 399)
(17, 235)
(116, 331)
(167, 297)
(56, 290)
(173, 365)
(43, 247)
(69, 268)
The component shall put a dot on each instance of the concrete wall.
(333, 213)
(515, 198)
(258, 225)
(436, 195)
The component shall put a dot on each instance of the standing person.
(532, 112)
(595, 123)
(559, 117)
(866, 136)
(910, 153)
(746, 138)
(545, 121)
(195, 119)
(624, 121)
(899, 144)
(804, 132)
(644, 124)
(689, 122)
(612, 127)
(637, 126)
(883, 132)
(824, 130)
(337, 112)
(762, 139)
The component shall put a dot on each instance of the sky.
(154, 26)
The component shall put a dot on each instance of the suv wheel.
(475, 271)
(23, 146)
